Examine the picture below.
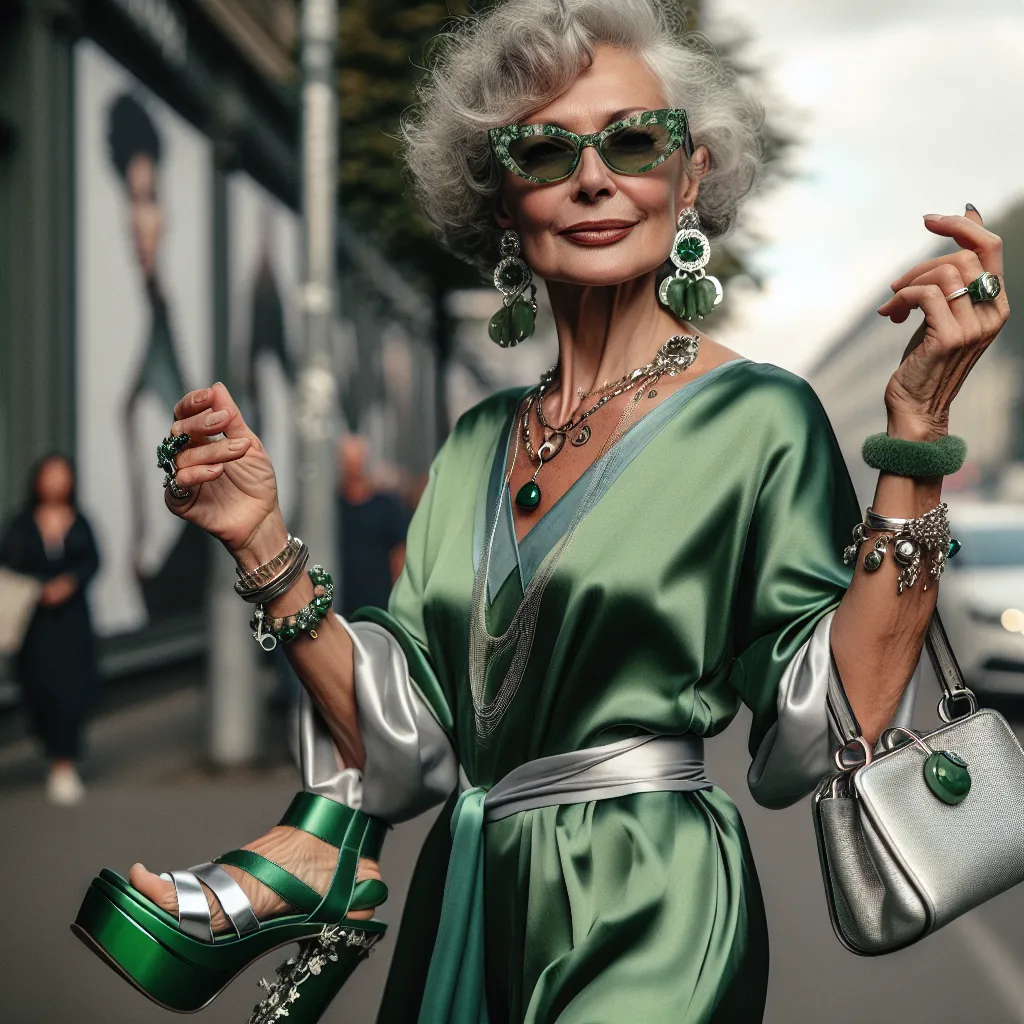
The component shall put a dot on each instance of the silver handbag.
(926, 827)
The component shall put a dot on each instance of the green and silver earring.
(690, 293)
(514, 322)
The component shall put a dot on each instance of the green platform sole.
(146, 947)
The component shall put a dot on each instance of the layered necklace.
(516, 642)
(675, 356)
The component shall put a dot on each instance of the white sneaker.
(64, 788)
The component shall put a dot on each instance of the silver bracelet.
(273, 578)
(911, 538)
(280, 583)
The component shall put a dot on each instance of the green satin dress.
(710, 556)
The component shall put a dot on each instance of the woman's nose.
(593, 178)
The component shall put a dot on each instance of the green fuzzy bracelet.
(914, 458)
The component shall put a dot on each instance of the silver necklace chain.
(674, 357)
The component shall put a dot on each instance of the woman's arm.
(324, 665)
(87, 562)
(878, 635)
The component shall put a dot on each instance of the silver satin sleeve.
(410, 764)
(796, 754)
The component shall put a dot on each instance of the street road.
(149, 800)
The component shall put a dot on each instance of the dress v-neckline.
(509, 555)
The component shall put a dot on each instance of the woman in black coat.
(56, 666)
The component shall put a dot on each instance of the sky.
(904, 108)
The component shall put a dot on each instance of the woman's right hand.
(232, 490)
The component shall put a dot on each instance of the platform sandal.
(178, 962)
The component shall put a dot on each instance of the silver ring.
(958, 294)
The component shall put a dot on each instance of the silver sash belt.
(642, 764)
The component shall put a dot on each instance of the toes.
(153, 887)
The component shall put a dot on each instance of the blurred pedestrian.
(56, 665)
(374, 523)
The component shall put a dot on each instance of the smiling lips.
(598, 232)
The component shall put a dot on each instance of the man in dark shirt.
(373, 528)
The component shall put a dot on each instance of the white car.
(981, 597)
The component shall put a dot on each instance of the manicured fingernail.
(238, 444)
(971, 208)
(213, 418)
(175, 428)
(933, 216)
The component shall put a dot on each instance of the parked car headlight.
(1012, 620)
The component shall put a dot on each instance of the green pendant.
(523, 320)
(705, 293)
(528, 496)
(512, 324)
(690, 303)
(676, 295)
(954, 547)
(947, 776)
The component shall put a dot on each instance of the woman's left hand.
(954, 334)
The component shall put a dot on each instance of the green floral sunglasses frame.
(674, 121)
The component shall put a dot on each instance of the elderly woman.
(574, 619)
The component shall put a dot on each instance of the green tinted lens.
(547, 157)
(636, 147)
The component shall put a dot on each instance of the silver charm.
(511, 276)
(582, 437)
(874, 558)
(677, 354)
(260, 633)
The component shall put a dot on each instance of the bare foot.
(308, 858)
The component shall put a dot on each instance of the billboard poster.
(144, 333)
(265, 322)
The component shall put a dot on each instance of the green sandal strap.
(339, 896)
(291, 889)
(328, 820)
(369, 893)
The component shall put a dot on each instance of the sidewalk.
(149, 799)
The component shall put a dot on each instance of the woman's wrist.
(915, 426)
(263, 544)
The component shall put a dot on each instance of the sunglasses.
(545, 153)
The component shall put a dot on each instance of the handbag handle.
(947, 669)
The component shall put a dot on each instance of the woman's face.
(147, 218)
(54, 482)
(599, 227)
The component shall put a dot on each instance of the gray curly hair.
(495, 68)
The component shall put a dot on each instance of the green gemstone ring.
(984, 288)
(166, 450)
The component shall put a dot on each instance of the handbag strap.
(947, 669)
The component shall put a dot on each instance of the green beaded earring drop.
(515, 320)
(690, 293)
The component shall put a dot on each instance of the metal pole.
(234, 709)
(317, 388)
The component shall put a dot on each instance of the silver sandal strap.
(230, 895)
(193, 908)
